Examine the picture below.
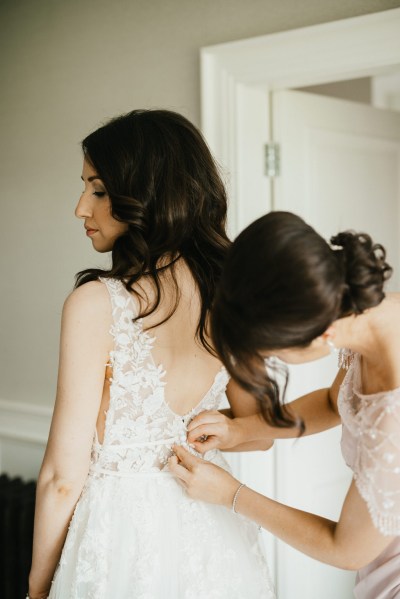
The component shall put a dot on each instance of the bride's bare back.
(189, 369)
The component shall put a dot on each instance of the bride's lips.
(90, 232)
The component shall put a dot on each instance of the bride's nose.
(83, 208)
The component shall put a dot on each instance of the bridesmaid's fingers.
(206, 417)
(185, 458)
(204, 446)
(206, 430)
(179, 471)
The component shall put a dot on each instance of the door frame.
(237, 78)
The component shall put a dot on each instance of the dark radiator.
(17, 505)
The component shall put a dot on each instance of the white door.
(340, 169)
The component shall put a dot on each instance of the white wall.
(65, 67)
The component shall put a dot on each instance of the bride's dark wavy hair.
(282, 286)
(163, 182)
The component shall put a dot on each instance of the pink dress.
(371, 448)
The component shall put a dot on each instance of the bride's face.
(94, 207)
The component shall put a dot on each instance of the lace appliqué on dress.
(135, 533)
(140, 426)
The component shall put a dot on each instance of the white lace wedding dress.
(135, 534)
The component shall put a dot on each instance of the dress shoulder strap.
(123, 309)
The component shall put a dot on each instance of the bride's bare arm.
(84, 347)
(245, 429)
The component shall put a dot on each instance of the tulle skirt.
(141, 537)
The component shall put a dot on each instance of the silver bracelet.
(235, 497)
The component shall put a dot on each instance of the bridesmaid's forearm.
(251, 429)
(314, 409)
(256, 445)
(308, 533)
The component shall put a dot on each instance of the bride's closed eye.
(99, 194)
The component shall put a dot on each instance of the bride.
(136, 367)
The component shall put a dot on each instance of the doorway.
(252, 95)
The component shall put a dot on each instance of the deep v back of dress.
(140, 425)
(135, 534)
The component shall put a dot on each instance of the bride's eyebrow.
(93, 178)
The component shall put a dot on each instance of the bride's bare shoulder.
(90, 299)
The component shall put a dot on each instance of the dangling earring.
(332, 347)
(346, 357)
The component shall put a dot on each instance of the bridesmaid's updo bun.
(282, 286)
(365, 271)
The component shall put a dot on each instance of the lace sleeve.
(377, 470)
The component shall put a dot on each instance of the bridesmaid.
(288, 296)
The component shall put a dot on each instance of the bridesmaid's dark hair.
(163, 182)
(282, 286)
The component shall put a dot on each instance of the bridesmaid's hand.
(201, 479)
(213, 430)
